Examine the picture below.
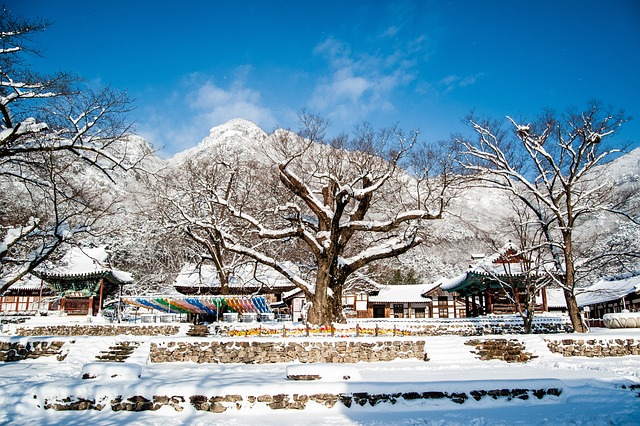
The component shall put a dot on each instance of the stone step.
(119, 352)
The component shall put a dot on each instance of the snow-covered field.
(594, 391)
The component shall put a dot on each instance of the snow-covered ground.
(594, 391)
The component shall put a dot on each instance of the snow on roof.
(449, 283)
(609, 288)
(247, 275)
(28, 282)
(402, 293)
(83, 260)
(504, 262)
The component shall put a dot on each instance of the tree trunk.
(326, 306)
(574, 312)
(569, 296)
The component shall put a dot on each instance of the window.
(398, 310)
(419, 312)
(443, 307)
(347, 300)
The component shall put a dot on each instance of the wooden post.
(545, 308)
(40, 296)
(100, 300)
(119, 313)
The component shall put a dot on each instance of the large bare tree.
(338, 205)
(184, 203)
(551, 166)
(53, 128)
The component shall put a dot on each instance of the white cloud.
(215, 105)
(453, 81)
(184, 118)
(359, 83)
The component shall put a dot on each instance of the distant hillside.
(474, 222)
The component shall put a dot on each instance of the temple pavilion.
(495, 283)
(83, 280)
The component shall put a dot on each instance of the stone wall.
(482, 327)
(222, 403)
(99, 330)
(382, 328)
(251, 352)
(595, 347)
(13, 351)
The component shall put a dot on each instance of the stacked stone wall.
(234, 402)
(415, 328)
(595, 348)
(13, 351)
(99, 330)
(250, 352)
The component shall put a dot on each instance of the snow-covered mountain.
(239, 136)
(474, 222)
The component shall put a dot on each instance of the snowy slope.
(475, 221)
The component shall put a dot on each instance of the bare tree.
(332, 209)
(551, 167)
(184, 200)
(51, 129)
(521, 269)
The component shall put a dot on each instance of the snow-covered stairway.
(447, 349)
(119, 352)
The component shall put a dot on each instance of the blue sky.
(191, 65)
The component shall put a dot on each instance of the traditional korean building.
(409, 301)
(611, 295)
(494, 284)
(246, 279)
(29, 296)
(253, 289)
(83, 280)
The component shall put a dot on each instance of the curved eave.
(473, 282)
(375, 299)
(107, 275)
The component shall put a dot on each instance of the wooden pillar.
(489, 301)
(63, 301)
(90, 310)
(40, 297)
(474, 308)
(545, 307)
(100, 300)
